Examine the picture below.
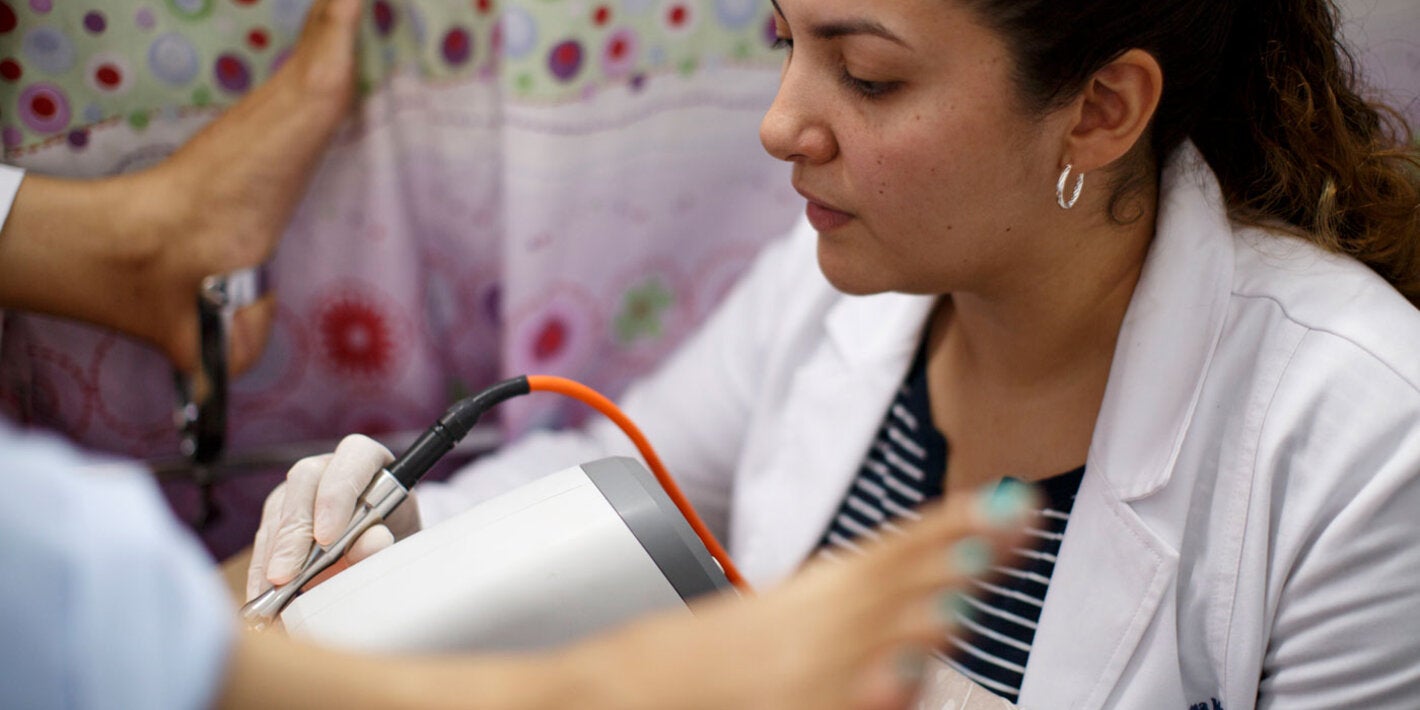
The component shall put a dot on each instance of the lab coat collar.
(836, 401)
(878, 330)
(1169, 334)
(841, 394)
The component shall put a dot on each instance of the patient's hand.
(841, 634)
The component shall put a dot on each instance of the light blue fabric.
(105, 602)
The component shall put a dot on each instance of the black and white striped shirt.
(903, 469)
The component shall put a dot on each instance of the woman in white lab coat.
(1164, 242)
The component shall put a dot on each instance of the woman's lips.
(825, 219)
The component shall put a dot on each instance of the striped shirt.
(904, 468)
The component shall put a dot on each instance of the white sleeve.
(695, 408)
(10, 177)
(105, 602)
(1346, 633)
(1345, 554)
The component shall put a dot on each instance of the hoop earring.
(1060, 188)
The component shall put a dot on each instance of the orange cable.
(579, 391)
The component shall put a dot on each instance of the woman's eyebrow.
(844, 28)
(834, 30)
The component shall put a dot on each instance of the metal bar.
(481, 439)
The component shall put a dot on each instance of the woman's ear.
(1114, 110)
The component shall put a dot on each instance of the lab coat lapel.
(1115, 568)
(835, 403)
(1105, 592)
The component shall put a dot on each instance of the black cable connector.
(456, 423)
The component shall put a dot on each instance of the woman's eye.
(785, 43)
(869, 89)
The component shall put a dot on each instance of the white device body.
(575, 552)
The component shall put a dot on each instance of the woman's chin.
(851, 276)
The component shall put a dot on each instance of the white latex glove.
(317, 502)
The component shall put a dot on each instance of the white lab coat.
(1248, 528)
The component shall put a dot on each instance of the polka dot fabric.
(70, 67)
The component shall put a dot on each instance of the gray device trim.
(648, 512)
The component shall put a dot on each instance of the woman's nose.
(795, 129)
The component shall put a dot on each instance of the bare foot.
(238, 181)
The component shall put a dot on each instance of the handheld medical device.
(580, 550)
(570, 554)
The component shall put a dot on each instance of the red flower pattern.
(356, 337)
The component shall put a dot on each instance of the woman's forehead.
(922, 23)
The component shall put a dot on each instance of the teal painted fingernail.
(972, 556)
(1007, 504)
(955, 607)
(910, 666)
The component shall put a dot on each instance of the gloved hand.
(316, 503)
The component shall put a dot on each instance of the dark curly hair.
(1269, 95)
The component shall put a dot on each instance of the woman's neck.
(1017, 380)
(1060, 311)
